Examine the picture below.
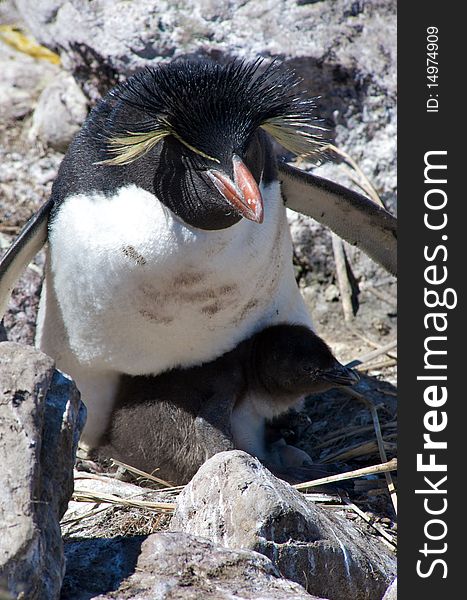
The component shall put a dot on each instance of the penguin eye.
(309, 368)
(192, 148)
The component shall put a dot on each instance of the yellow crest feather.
(301, 136)
(128, 148)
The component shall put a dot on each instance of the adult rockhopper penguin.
(175, 421)
(168, 238)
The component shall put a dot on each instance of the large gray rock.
(41, 418)
(234, 501)
(177, 565)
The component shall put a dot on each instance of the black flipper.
(350, 215)
(28, 243)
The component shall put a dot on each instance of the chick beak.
(339, 375)
(242, 193)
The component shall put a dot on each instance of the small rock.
(331, 293)
(41, 418)
(381, 327)
(60, 112)
(234, 501)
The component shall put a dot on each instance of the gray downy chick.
(177, 420)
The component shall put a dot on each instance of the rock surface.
(234, 501)
(26, 174)
(23, 79)
(41, 418)
(391, 593)
(60, 111)
(177, 565)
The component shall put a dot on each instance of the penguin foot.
(287, 456)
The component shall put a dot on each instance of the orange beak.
(242, 193)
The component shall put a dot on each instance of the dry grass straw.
(373, 470)
(391, 300)
(341, 434)
(343, 277)
(18, 40)
(10, 229)
(108, 500)
(358, 450)
(372, 355)
(133, 521)
(103, 498)
(390, 362)
(371, 342)
(141, 474)
(389, 539)
(91, 513)
(361, 180)
(379, 438)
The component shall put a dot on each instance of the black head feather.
(212, 109)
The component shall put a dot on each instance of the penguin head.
(293, 359)
(197, 128)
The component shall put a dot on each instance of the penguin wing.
(350, 215)
(28, 243)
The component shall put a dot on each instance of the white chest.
(140, 291)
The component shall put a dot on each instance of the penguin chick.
(177, 420)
